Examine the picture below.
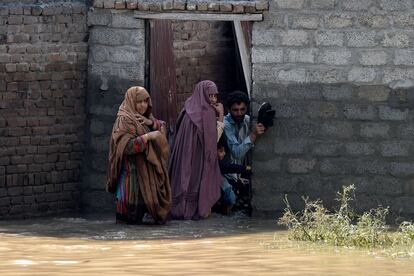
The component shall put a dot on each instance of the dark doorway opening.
(182, 53)
(205, 50)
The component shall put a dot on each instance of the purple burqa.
(194, 171)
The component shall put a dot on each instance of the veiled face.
(212, 98)
(142, 106)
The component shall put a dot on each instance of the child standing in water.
(228, 195)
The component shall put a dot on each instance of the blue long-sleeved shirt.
(238, 139)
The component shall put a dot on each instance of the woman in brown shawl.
(137, 161)
(194, 169)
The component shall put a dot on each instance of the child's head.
(221, 150)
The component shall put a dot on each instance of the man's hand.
(244, 181)
(258, 130)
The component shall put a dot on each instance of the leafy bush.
(343, 228)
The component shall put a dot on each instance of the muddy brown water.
(219, 245)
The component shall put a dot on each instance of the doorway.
(180, 53)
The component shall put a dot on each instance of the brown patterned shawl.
(151, 165)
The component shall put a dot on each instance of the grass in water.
(344, 228)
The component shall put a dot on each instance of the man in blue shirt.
(237, 127)
(240, 139)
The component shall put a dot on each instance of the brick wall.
(331, 41)
(340, 75)
(204, 51)
(43, 55)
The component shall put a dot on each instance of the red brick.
(29, 199)
(17, 131)
(2, 183)
(238, 8)
(31, 149)
(60, 166)
(50, 188)
(120, 4)
(45, 141)
(32, 122)
(15, 19)
(226, 7)
(109, 4)
(40, 130)
(52, 157)
(202, 6)
(70, 186)
(34, 168)
(25, 159)
(98, 4)
(19, 76)
(4, 160)
(16, 122)
(16, 201)
(25, 140)
(132, 4)
(143, 6)
(27, 10)
(11, 67)
(15, 191)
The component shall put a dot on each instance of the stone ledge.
(214, 6)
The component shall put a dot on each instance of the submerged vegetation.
(343, 227)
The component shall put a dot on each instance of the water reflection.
(216, 246)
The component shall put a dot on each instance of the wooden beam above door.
(198, 16)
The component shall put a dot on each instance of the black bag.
(266, 115)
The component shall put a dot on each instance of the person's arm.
(139, 144)
(237, 149)
(258, 130)
(156, 124)
(151, 122)
(220, 129)
(227, 168)
(136, 145)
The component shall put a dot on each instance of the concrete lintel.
(198, 16)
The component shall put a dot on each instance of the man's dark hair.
(237, 97)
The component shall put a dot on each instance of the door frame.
(238, 28)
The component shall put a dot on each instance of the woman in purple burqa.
(194, 170)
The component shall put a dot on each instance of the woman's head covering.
(134, 95)
(151, 167)
(194, 170)
(198, 105)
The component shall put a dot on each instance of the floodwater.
(216, 246)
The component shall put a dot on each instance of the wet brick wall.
(43, 55)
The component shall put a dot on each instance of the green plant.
(343, 228)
